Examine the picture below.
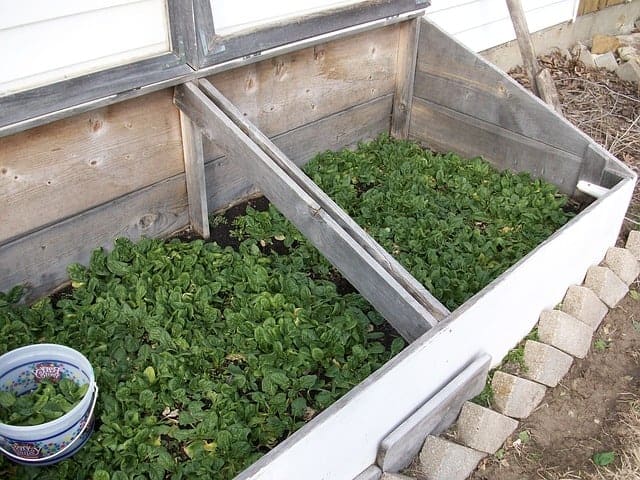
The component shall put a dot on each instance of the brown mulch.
(598, 102)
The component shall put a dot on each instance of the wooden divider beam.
(388, 262)
(398, 307)
(195, 177)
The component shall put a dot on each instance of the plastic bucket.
(48, 443)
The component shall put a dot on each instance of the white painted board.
(482, 24)
(42, 41)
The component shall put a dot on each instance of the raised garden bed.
(243, 131)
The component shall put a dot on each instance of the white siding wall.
(482, 24)
(44, 41)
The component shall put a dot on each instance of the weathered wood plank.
(43, 101)
(220, 48)
(195, 176)
(405, 74)
(548, 90)
(519, 20)
(58, 170)
(400, 447)
(446, 130)
(41, 258)
(291, 90)
(227, 182)
(379, 254)
(400, 309)
(452, 76)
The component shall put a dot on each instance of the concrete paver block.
(623, 263)
(562, 331)
(483, 429)
(515, 396)
(606, 285)
(545, 364)
(606, 61)
(440, 459)
(582, 303)
(633, 243)
(629, 70)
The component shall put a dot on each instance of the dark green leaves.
(49, 401)
(454, 223)
(205, 356)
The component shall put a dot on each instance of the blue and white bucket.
(48, 443)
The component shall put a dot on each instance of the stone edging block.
(564, 332)
(582, 303)
(545, 364)
(623, 263)
(514, 396)
(483, 429)
(440, 459)
(606, 285)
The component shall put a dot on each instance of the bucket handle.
(64, 449)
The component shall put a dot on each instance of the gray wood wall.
(76, 184)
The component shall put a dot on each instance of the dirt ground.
(596, 408)
(583, 415)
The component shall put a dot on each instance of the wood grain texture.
(519, 21)
(227, 182)
(400, 309)
(56, 171)
(291, 90)
(405, 74)
(195, 176)
(293, 172)
(452, 76)
(41, 258)
(447, 130)
(43, 101)
(400, 447)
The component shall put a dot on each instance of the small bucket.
(48, 443)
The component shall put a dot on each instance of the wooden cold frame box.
(143, 167)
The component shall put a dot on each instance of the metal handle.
(59, 452)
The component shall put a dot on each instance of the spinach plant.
(206, 357)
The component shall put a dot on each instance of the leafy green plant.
(49, 400)
(206, 357)
(602, 459)
(600, 345)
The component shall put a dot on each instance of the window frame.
(190, 24)
(39, 105)
(213, 48)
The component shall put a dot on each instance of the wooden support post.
(540, 79)
(194, 173)
(373, 248)
(405, 74)
(400, 309)
(529, 59)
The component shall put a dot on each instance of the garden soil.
(589, 411)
